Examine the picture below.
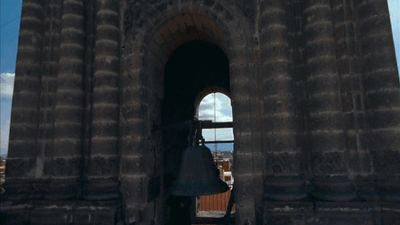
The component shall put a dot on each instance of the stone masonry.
(315, 95)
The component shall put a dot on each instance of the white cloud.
(6, 84)
(216, 107)
(221, 105)
(4, 134)
(6, 92)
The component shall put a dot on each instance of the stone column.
(65, 165)
(359, 160)
(248, 158)
(21, 161)
(382, 90)
(284, 170)
(133, 175)
(50, 59)
(326, 128)
(103, 164)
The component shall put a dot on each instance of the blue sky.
(394, 10)
(217, 107)
(10, 11)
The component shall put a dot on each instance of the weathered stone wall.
(315, 97)
(23, 146)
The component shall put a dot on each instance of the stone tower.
(315, 96)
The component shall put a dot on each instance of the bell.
(198, 174)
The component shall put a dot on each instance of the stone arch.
(216, 15)
(146, 50)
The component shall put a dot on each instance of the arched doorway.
(192, 68)
(150, 100)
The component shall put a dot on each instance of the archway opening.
(192, 69)
(215, 109)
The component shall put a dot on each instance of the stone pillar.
(103, 164)
(326, 128)
(247, 158)
(132, 130)
(21, 161)
(50, 59)
(382, 90)
(284, 169)
(66, 163)
(359, 160)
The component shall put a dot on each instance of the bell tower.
(315, 95)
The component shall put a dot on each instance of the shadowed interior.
(191, 68)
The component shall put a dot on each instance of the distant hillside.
(3, 155)
(225, 147)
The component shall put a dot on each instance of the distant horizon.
(222, 147)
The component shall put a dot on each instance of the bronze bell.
(198, 174)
